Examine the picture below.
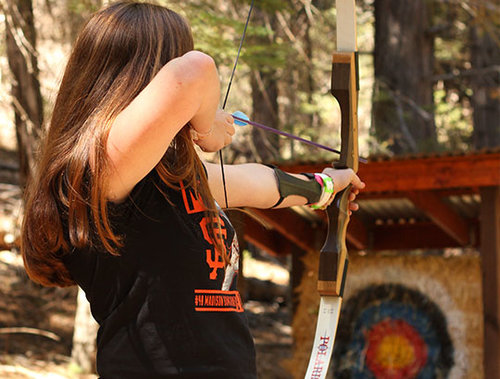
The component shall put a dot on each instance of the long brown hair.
(118, 52)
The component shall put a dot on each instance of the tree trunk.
(403, 114)
(84, 336)
(26, 96)
(264, 98)
(265, 111)
(485, 54)
(296, 82)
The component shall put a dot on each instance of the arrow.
(241, 119)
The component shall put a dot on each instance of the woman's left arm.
(256, 185)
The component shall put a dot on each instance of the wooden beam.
(266, 239)
(490, 253)
(289, 224)
(418, 174)
(442, 215)
(420, 235)
(394, 195)
(433, 173)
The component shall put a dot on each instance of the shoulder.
(192, 67)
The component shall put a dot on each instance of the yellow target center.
(395, 352)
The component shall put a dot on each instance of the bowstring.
(227, 94)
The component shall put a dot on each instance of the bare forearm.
(249, 185)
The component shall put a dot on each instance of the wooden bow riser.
(333, 255)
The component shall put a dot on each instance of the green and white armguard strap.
(327, 192)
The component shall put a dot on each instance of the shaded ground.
(272, 335)
(24, 304)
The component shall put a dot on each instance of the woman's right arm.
(185, 90)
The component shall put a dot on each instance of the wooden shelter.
(421, 202)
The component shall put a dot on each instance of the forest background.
(429, 77)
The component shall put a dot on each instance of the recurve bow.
(333, 255)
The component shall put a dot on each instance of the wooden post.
(84, 336)
(490, 251)
(296, 276)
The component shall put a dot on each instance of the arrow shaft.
(289, 135)
(292, 136)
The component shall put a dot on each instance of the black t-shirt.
(166, 306)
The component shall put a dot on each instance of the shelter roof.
(421, 201)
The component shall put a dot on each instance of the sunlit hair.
(118, 52)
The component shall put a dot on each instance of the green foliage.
(217, 31)
(84, 7)
(266, 57)
(215, 34)
(454, 22)
(453, 121)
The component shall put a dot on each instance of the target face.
(392, 332)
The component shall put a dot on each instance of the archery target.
(403, 316)
(392, 332)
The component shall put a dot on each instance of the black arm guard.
(290, 185)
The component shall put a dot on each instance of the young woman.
(122, 205)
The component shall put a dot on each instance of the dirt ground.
(25, 354)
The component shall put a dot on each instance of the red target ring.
(395, 350)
